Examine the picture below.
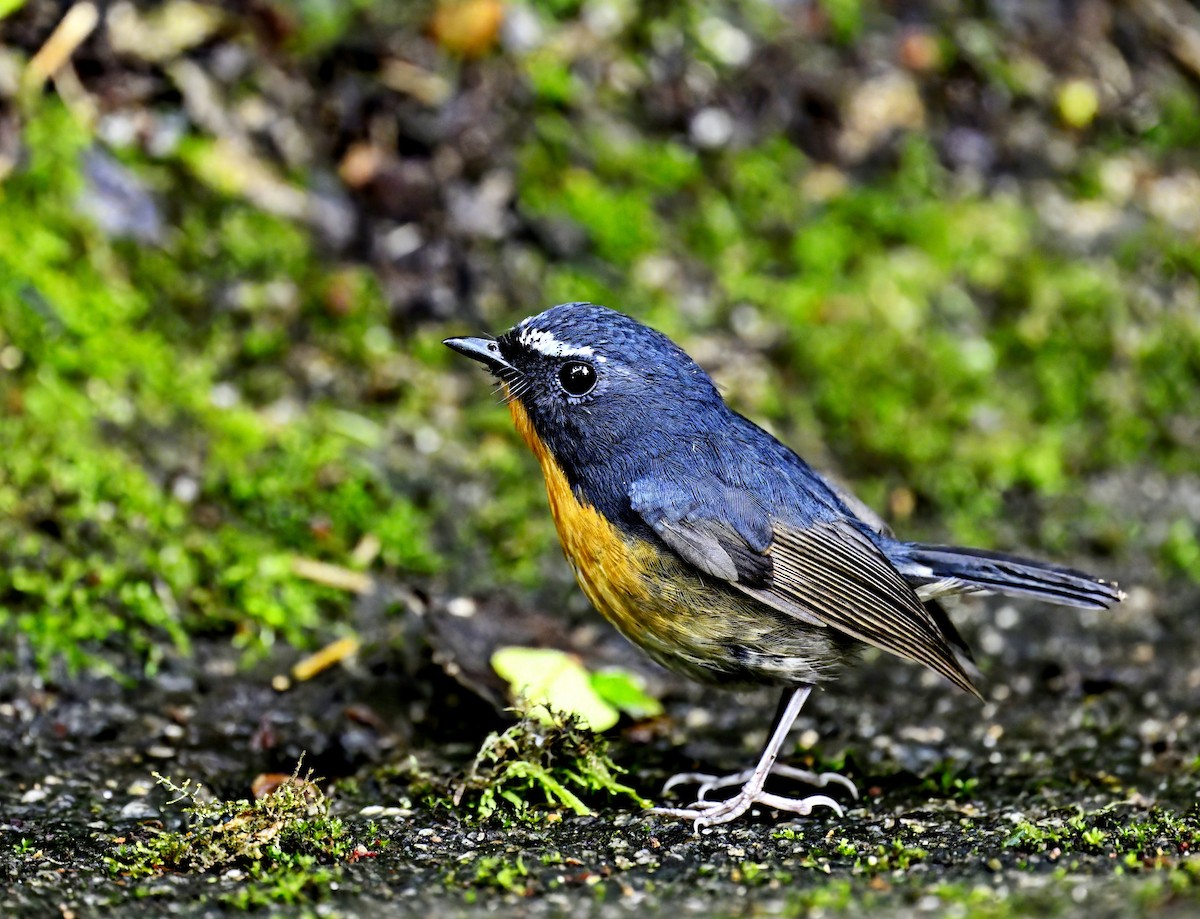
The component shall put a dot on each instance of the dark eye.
(577, 378)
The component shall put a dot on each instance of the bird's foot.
(712, 813)
(708, 782)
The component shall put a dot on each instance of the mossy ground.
(952, 256)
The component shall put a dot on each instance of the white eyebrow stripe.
(545, 343)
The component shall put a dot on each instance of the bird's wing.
(826, 573)
(731, 547)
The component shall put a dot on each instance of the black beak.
(484, 350)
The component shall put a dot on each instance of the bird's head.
(592, 379)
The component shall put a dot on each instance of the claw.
(710, 813)
(713, 813)
(686, 778)
(801, 806)
(827, 777)
(709, 782)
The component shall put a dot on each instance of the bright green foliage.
(1159, 835)
(493, 871)
(123, 382)
(626, 691)
(179, 420)
(845, 18)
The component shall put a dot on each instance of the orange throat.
(609, 567)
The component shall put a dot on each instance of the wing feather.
(835, 571)
(827, 574)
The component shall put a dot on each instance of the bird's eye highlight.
(578, 378)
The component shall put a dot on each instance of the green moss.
(1154, 840)
(504, 874)
(837, 895)
(845, 18)
(1177, 126)
(948, 780)
(550, 78)
(285, 845)
(156, 481)
(536, 764)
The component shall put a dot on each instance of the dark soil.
(1073, 789)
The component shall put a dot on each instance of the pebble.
(139, 809)
(711, 128)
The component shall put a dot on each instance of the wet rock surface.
(1072, 790)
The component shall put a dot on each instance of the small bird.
(715, 548)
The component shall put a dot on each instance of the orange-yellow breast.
(683, 620)
(609, 568)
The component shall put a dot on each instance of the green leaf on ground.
(557, 680)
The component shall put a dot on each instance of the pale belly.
(699, 628)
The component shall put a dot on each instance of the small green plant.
(1094, 836)
(493, 871)
(286, 846)
(546, 759)
(947, 780)
(1027, 835)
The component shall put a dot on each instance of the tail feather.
(938, 570)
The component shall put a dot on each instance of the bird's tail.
(937, 570)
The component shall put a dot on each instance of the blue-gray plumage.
(714, 546)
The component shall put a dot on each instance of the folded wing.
(827, 573)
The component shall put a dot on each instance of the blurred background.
(948, 250)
